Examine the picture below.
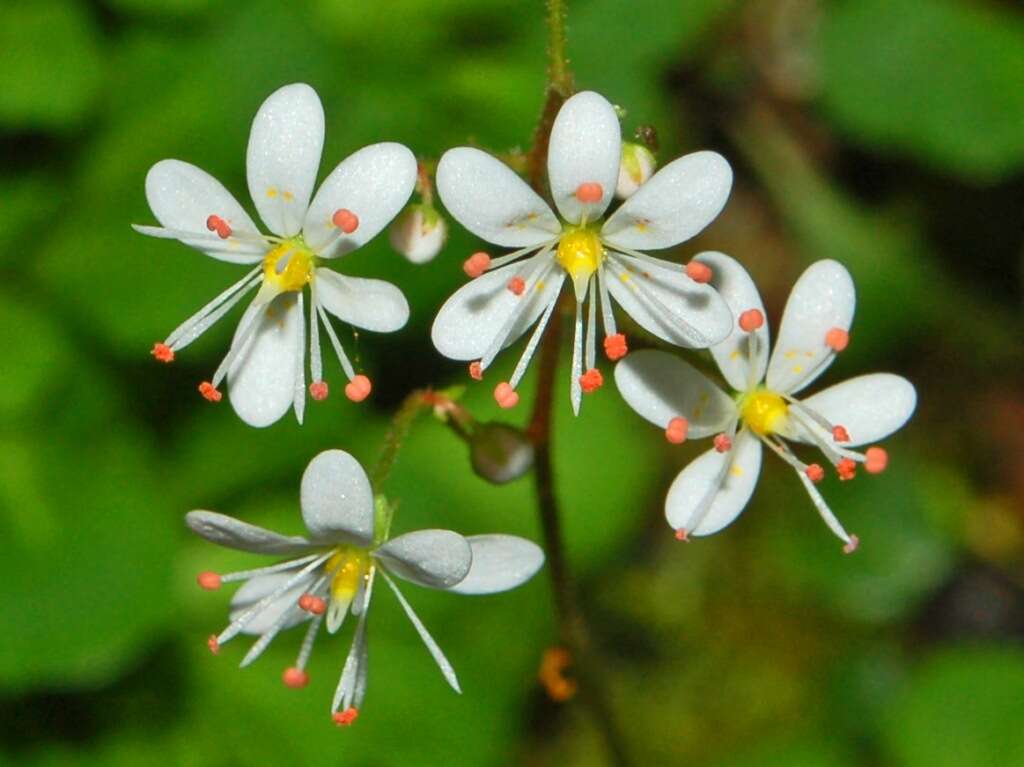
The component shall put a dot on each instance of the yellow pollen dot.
(271, 191)
(580, 253)
(289, 266)
(348, 565)
(763, 411)
(736, 470)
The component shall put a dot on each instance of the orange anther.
(551, 674)
(591, 381)
(505, 395)
(295, 678)
(699, 272)
(751, 320)
(852, 545)
(475, 371)
(358, 388)
(722, 443)
(163, 353)
(218, 225)
(875, 460)
(213, 644)
(346, 717)
(840, 434)
(846, 469)
(682, 534)
(209, 581)
(615, 346)
(516, 285)
(837, 338)
(345, 220)
(815, 473)
(318, 390)
(476, 264)
(677, 430)
(210, 394)
(589, 192)
(312, 604)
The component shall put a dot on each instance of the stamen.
(837, 338)
(607, 316)
(615, 346)
(699, 272)
(209, 581)
(539, 270)
(213, 644)
(312, 604)
(345, 220)
(552, 674)
(722, 443)
(209, 392)
(476, 264)
(851, 545)
(815, 473)
(208, 315)
(839, 434)
(846, 468)
(163, 353)
(591, 381)
(358, 388)
(475, 372)
(538, 332)
(338, 350)
(669, 318)
(505, 395)
(346, 717)
(318, 390)
(295, 678)
(677, 430)
(589, 192)
(218, 225)
(683, 535)
(875, 460)
(516, 286)
(751, 320)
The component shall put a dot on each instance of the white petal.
(500, 563)
(679, 200)
(471, 318)
(337, 500)
(823, 298)
(660, 387)
(255, 589)
(235, 534)
(370, 304)
(261, 380)
(434, 558)
(712, 491)
(374, 184)
(667, 303)
(183, 197)
(585, 148)
(733, 355)
(490, 200)
(869, 407)
(285, 143)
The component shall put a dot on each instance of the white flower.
(265, 364)
(712, 491)
(419, 233)
(517, 291)
(335, 569)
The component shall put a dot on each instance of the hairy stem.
(401, 422)
(559, 88)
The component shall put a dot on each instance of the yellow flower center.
(580, 253)
(348, 565)
(289, 266)
(763, 411)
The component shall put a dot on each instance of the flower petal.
(823, 298)
(869, 407)
(235, 534)
(183, 197)
(490, 200)
(660, 387)
(285, 143)
(733, 355)
(712, 491)
(679, 200)
(371, 304)
(471, 318)
(337, 500)
(500, 563)
(373, 183)
(435, 558)
(262, 377)
(585, 148)
(255, 589)
(667, 303)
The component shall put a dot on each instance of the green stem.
(401, 422)
(559, 88)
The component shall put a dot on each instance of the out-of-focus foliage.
(887, 135)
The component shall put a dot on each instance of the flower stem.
(560, 87)
(401, 422)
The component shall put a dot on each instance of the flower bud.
(418, 233)
(500, 453)
(637, 166)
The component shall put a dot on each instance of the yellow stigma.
(580, 253)
(289, 266)
(763, 411)
(348, 565)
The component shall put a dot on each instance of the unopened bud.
(418, 233)
(500, 453)
(638, 165)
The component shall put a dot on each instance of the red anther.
(516, 285)
(677, 430)
(682, 535)
(358, 388)
(699, 272)
(345, 220)
(505, 395)
(851, 547)
(722, 443)
(589, 192)
(305, 601)
(840, 434)
(318, 390)
(591, 381)
(837, 338)
(213, 644)
(210, 394)
(209, 581)
(751, 320)
(475, 371)
(163, 353)
(346, 717)
(615, 346)
(846, 469)
(476, 264)
(218, 225)
(295, 678)
(875, 460)
(815, 473)
(317, 606)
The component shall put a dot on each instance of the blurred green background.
(888, 134)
